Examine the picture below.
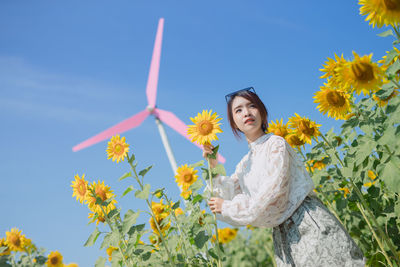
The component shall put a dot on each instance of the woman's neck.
(253, 137)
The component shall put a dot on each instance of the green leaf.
(204, 173)
(144, 194)
(111, 239)
(389, 172)
(2, 249)
(200, 239)
(127, 190)
(144, 171)
(136, 228)
(394, 68)
(101, 262)
(197, 198)
(176, 205)
(113, 213)
(129, 220)
(126, 175)
(212, 253)
(385, 33)
(131, 158)
(92, 238)
(196, 185)
(219, 169)
(197, 164)
(390, 56)
(214, 154)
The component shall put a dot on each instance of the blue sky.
(70, 69)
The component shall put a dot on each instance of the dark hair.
(253, 98)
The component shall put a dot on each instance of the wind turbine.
(160, 115)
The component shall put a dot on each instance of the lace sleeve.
(226, 187)
(266, 206)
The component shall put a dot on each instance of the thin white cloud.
(30, 91)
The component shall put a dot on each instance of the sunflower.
(381, 12)
(80, 188)
(185, 176)
(316, 164)
(362, 75)
(205, 127)
(54, 259)
(178, 212)
(15, 240)
(331, 68)
(345, 190)
(71, 265)
(161, 212)
(164, 226)
(226, 235)
(3, 243)
(278, 128)
(397, 57)
(304, 128)
(371, 175)
(100, 190)
(109, 251)
(186, 194)
(335, 102)
(117, 149)
(97, 212)
(384, 102)
(293, 139)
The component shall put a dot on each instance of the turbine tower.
(160, 115)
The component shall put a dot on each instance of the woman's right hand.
(207, 150)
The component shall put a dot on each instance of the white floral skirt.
(313, 236)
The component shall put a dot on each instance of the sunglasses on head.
(228, 97)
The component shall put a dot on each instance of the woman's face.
(246, 116)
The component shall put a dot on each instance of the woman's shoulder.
(274, 140)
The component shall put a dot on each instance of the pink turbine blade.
(121, 127)
(175, 123)
(151, 88)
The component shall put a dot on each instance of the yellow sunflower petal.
(205, 127)
(117, 149)
(381, 12)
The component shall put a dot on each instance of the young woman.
(271, 188)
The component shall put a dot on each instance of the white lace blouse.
(269, 183)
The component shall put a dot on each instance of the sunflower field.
(356, 173)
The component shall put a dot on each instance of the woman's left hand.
(215, 204)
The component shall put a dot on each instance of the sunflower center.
(305, 128)
(392, 4)
(187, 177)
(101, 194)
(335, 99)
(295, 140)
(54, 260)
(118, 149)
(363, 71)
(205, 127)
(15, 240)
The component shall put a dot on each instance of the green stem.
(171, 262)
(375, 235)
(181, 233)
(112, 229)
(215, 216)
(369, 211)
